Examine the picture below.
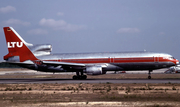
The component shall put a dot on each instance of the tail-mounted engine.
(38, 50)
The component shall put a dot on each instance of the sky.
(81, 26)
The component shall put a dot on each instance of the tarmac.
(60, 80)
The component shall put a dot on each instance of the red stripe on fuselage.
(116, 60)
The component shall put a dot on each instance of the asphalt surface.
(60, 80)
(47, 80)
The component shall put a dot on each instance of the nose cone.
(177, 62)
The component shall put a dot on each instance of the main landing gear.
(149, 77)
(79, 77)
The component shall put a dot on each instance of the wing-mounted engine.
(94, 70)
(43, 49)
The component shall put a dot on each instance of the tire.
(74, 77)
(149, 77)
(84, 77)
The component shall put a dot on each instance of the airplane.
(39, 57)
(173, 69)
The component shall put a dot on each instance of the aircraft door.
(59, 60)
(156, 59)
(111, 59)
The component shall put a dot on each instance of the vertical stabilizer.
(17, 46)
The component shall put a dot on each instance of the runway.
(60, 81)
(23, 77)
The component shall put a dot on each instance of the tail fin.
(17, 47)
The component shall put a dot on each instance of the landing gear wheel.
(149, 77)
(75, 77)
(80, 77)
(84, 77)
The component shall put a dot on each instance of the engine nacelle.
(94, 70)
(38, 50)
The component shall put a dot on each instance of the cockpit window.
(172, 57)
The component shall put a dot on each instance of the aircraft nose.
(177, 62)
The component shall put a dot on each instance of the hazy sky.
(75, 26)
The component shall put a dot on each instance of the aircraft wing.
(63, 63)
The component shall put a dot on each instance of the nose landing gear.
(149, 77)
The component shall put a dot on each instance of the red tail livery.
(17, 46)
